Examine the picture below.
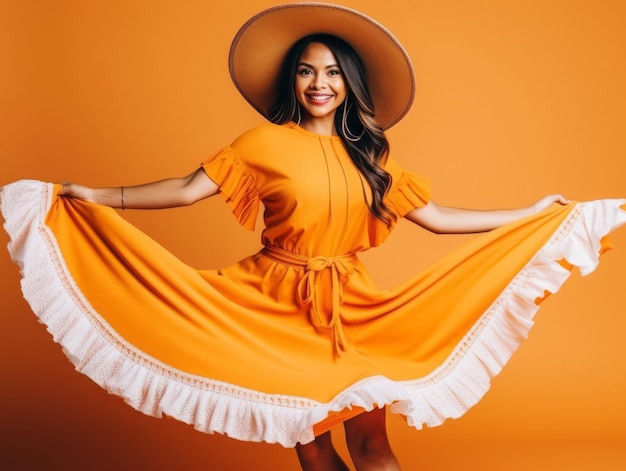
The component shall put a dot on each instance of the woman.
(290, 341)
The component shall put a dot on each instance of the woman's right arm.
(168, 193)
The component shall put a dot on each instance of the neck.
(324, 127)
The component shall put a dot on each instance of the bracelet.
(123, 205)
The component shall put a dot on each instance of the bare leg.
(320, 455)
(366, 437)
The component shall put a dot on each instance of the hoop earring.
(344, 126)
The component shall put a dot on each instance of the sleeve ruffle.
(237, 185)
(408, 191)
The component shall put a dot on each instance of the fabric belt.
(313, 288)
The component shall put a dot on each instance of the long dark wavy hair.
(363, 138)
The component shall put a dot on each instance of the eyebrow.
(312, 67)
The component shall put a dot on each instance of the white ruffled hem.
(214, 406)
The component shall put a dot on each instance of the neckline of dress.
(295, 126)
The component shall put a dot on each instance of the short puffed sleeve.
(408, 191)
(237, 185)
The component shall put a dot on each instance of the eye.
(334, 72)
(304, 71)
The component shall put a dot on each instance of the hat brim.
(262, 43)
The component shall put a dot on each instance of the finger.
(65, 188)
(562, 199)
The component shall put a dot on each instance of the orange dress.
(288, 341)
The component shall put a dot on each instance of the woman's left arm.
(447, 220)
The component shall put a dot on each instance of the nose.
(318, 81)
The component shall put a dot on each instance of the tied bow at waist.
(317, 285)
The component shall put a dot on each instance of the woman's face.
(319, 86)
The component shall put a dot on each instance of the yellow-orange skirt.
(233, 351)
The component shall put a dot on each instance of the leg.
(320, 455)
(366, 437)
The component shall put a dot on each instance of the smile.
(319, 99)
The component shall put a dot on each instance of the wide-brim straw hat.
(262, 43)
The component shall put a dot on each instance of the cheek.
(342, 92)
(299, 86)
(298, 91)
(341, 88)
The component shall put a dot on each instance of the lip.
(319, 99)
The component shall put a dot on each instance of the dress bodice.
(316, 201)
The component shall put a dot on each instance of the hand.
(72, 190)
(547, 201)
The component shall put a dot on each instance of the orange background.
(515, 100)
